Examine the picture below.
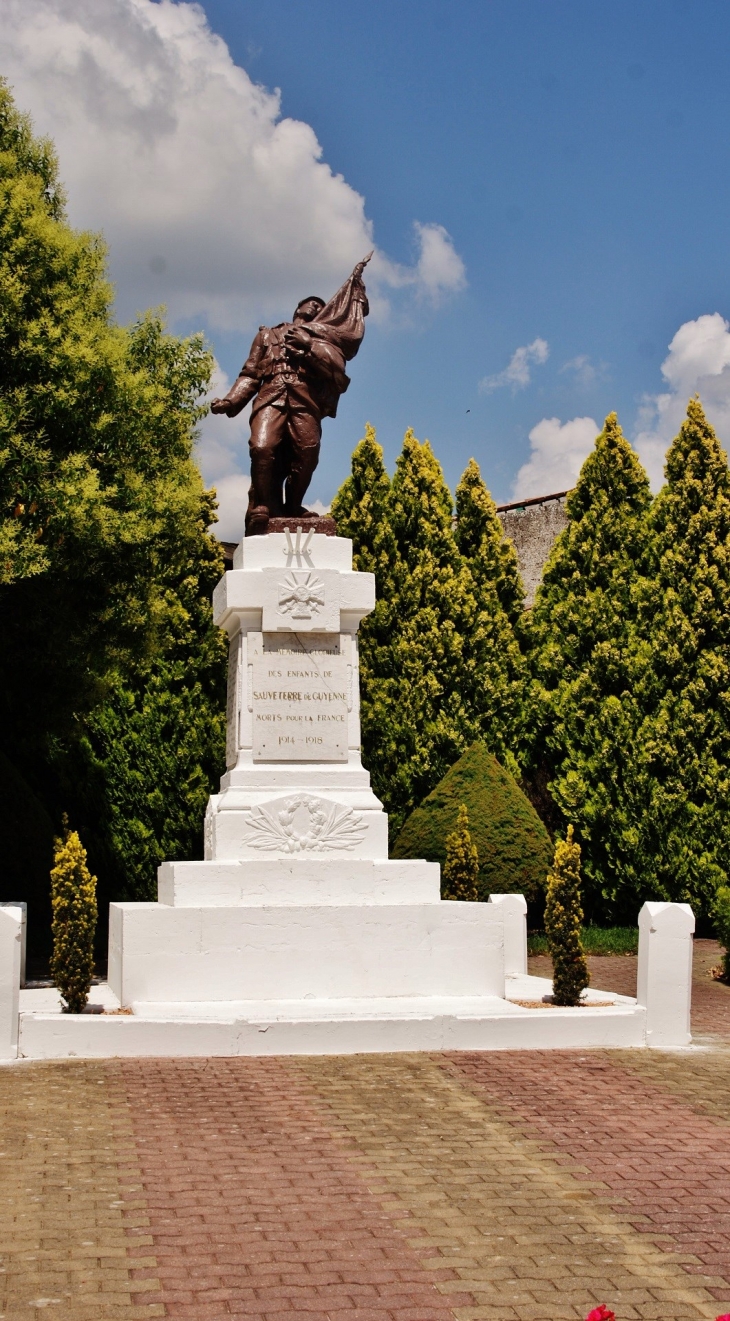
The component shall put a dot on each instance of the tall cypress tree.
(495, 674)
(432, 719)
(583, 712)
(681, 771)
(362, 511)
(481, 540)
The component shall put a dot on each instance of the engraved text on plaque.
(300, 699)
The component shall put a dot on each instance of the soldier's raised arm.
(245, 385)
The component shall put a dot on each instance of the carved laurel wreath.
(330, 826)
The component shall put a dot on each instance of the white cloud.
(517, 373)
(698, 362)
(582, 369)
(210, 201)
(439, 269)
(557, 455)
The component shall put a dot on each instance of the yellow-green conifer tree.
(563, 917)
(460, 875)
(495, 673)
(679, 783)
(73, 900)
(582, 719)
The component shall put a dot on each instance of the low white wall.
(10, 959)
(664, 983)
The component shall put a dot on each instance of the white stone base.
(326, 952)
(320, 1027)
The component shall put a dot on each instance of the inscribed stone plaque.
(300, 688)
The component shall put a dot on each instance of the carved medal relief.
(301, 600)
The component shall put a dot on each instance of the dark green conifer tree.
(583, 713)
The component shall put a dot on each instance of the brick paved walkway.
(505, 1186)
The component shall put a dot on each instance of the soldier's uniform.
(291, 394)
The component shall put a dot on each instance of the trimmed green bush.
(461, 868)
(721, 915)
(73, 898)
(514, 847)
(563, 917)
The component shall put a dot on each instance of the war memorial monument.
(296, 933)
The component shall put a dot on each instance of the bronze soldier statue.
(295, 374)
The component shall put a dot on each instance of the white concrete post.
(10, 940)
(21, 909)
(514, 913)
(664, 983)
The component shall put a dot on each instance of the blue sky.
(575, 154)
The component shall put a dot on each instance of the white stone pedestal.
(296, 908)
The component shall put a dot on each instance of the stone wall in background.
(533, 526)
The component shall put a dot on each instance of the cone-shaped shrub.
(513, 845)
(721, 915)
(563, 917)
(461, 868)
(73, 900)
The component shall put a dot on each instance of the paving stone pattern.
(506, 1186)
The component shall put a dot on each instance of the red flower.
(725, 1317)
(603, 1314)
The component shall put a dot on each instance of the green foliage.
(563, 917)
(678, 798)
(480, 538)
(361, 510)
(111, 671)
(583, 710)
(440, 664)
(461, 866)
(513, 845)
(151, 752)
(595, 940)
(73, 899)
(721, 918)
(431, 715)
(494, 672)
(97, 483)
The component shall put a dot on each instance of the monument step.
(297, 880)
(325, 951)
